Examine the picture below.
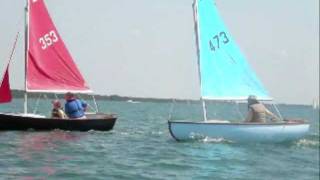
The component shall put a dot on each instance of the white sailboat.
(226, 76)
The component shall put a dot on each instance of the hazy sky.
(146, 48)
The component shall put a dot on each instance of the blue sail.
(224, 71)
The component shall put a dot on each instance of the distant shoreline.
(20, 94)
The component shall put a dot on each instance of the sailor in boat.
(257, 112)
(57, 111)
(74, 107)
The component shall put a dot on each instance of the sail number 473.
(48, 40)
(215, 41)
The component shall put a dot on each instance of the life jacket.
(55, 113)
(74, 108)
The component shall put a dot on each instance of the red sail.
(50, 67)
(5, 93)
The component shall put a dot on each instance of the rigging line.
(13, 50)
(277, 110)
(12, 53)
(171, 109)
(20, 22)
(45, 97)
(238, 109)
(18, 25)
(37, 104)
(88, 104)
(91, 107)
(95, 103)
(14, 46)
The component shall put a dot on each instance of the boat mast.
(197, 35)
(26, 39)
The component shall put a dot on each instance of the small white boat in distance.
(225, 75)
(132, 101)
(239, 132)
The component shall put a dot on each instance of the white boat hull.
(239, 132)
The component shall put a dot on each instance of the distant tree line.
(20, 94)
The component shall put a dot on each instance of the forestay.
(50, 67)
(224, 71)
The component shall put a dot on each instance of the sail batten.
(224, 71)
(50, 67)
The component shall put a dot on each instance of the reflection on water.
(38, 142)
(35, 146)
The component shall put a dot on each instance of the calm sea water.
(140, 147)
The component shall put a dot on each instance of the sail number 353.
(48, 40)
(216, 41)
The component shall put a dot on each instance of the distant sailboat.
(49, 68)
(225, 75)
(132, 101)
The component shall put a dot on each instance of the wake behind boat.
(225, 75)
(49, 69)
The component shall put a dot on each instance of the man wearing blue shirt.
(74, 107)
